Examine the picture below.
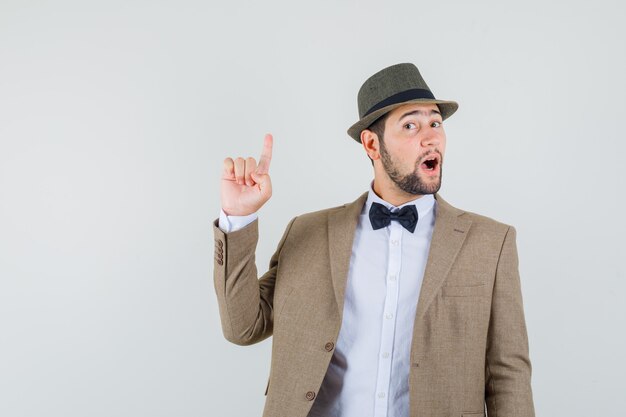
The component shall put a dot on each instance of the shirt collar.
(423, 204)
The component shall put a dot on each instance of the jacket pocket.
(464, 291)
(479, 414)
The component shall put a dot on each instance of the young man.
(397, 304)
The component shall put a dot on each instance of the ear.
(369, 140)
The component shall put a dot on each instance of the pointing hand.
(246, 186)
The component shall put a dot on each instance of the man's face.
(412, 148)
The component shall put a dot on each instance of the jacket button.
(220, 255)
(310, 395)
(220, 243)
(220, 262)
(329, 346)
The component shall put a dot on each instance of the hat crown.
(387, 83)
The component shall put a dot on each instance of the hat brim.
(447, 108)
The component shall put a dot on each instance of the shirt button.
(386, 355)
(310, 395)
(394, 242)
(381, 395)
(388, 315)
(392, 277)
(329, 346)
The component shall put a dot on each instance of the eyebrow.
(418, 112)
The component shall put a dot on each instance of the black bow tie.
(380, 216)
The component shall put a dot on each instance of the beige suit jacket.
(469, 349)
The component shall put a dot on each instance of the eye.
(436, 124)
(410, 126)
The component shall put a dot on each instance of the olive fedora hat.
(393, 87)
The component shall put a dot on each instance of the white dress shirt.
(368, 375)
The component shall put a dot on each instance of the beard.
(411, 183)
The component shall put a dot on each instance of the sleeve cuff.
(233, 223)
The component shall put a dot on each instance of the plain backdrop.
(115, 117)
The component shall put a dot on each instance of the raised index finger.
(266, 155)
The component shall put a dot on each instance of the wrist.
(238, 213)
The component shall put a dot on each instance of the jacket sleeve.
(507, 368)
(245, 301)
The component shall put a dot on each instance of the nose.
(430, 139)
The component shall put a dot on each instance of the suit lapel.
(341, 229)
(448, 237)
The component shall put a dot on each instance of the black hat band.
(401, 97)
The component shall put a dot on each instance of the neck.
(389, 191)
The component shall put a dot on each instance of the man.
(397, 304)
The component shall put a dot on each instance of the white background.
(115, 118)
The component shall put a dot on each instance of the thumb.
(263, 180)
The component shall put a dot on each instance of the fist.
(246, 185)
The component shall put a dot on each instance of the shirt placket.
(390, 309)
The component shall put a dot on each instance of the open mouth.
(431, 164)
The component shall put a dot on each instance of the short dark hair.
(378, 127)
